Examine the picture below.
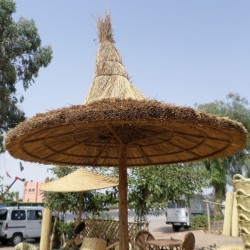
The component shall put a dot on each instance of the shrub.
(199, 222)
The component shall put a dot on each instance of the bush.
(66, 228)
(199, 222)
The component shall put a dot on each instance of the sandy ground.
(203, 240)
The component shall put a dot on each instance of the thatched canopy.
(115, 112)
(154, 133)
(80, 180)
(117, 126)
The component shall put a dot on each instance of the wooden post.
(228, 214)
(208, 218)
(235, 222)
(79, 219)
(46, 226)
(123, 200)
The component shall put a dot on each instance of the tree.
(21, 57)
(222, 170)
(152, 187)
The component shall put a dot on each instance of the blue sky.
(178, 51)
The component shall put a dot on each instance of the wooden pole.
(46, 226)
(228, 214)
(235, 222)
(208, 218)
(123, 200)
(79, 219)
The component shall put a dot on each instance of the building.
(32, 193)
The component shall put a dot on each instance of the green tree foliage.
(21, 57)
(222, 170)
(150, 188)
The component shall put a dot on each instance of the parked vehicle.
(18, 223)
(178, 214)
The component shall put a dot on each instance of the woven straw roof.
(115, 113)
(79, 181)
(154, 132)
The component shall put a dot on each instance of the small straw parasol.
(80, 181)
(118, 126)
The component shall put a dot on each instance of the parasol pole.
(45, 232)
(123, 201)
(79, 219)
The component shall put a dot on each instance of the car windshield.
(3, 214)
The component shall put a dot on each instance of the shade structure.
(153, 132)
(118, 126)
(79, 181)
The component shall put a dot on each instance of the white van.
(179, 215)
(18, 223)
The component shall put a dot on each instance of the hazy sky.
(177, 51)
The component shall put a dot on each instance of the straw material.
(244, 221)
(243, 198)
(235, 224)
(244, 231)
(228, 214)
(111, 79)
(245, 235)
(95, 229)
(188, 241)
(241, 182)
(79, 181)
(93, 244)
(117, 126)
(116, 113)
(46, 227)
(154, 133)
(25, 246)
(242, 210)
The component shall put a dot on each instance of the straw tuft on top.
(104, 27)
(111, 80)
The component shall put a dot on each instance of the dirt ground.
(203, 239)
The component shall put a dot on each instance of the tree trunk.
(219, 192)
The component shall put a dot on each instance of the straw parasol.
(79, 181)
(118, 126)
